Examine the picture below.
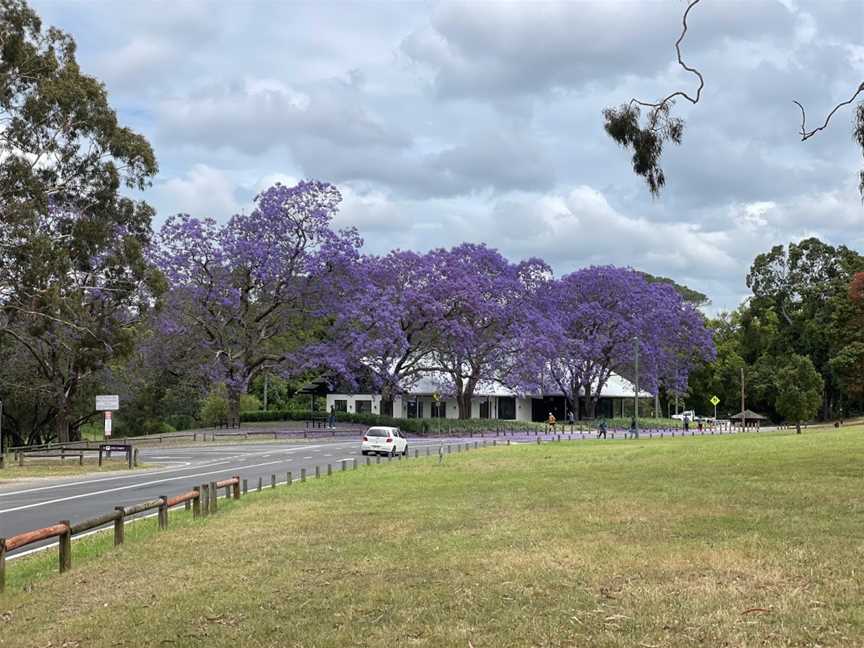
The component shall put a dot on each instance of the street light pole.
(636, 392)
(2, 451)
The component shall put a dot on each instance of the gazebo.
(749, 417)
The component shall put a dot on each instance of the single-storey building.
(425, 399)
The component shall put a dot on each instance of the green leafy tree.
(73, 280)
(799, 390)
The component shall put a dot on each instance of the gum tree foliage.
(799, 390)
(624, 123)
(253, 293)
(592, 321)
(804, 290)
(72, 274)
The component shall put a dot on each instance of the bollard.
(508, 442)
(377, 459)
(273, 480)
(329, 469)
(187, 505)
(317, 472)
(477, 445)
(494, 442)
(368, 460)
(65, 547)
(538, 440)
(416, 453)
(245, 486)
(448, 448)
(344, 465)
(196, 504)
(428, 451)
(236, 487)
(205, 499)
(302, 474)
(354, 462)
(289, 479)
(163, 513)
(214, 496)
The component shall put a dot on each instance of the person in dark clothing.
(601, 429)
(633, 432)
(332, 418)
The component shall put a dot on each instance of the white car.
(690, 414)
(384, 440)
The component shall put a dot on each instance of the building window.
(363, 406)
(506, 408)
(438, 409)
(340, 405)
(484, 409)
(386, 408)
(415, 409)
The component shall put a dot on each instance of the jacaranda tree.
(484, 309)
(252, 294)
(590, 323)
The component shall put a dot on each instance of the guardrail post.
(318, 471)
(538, 440)
(196, 504)
(354, 461)
(344, 465)
(245, 486)
(377, 459)
(214, 497)
(204, 496)
(237, 487)
(302, 474)
(260, 484)
(273, 480)
(187, 505)
(2, 564)
(289, 479)
(508, 442)
(368, 460)
(163, 512)
(119, 526)
(329, 469)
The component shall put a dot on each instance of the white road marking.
(122, 488)
(84, 482)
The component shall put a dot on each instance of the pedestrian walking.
(332, 418)
(601, 429)
(686, 424)
(632, 433)
(551, 421)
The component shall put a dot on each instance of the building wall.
(400, 406)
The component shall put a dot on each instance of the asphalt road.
(25, 506)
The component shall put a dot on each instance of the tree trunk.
(463, 401)
(234, 394)
(590, 407)
(61, 424)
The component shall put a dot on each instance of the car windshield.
(377, 433)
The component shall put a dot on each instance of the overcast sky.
(481, 121)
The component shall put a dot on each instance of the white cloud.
(203, 191)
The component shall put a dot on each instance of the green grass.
(34, 468)
(750, 540)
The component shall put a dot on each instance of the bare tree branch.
(679, 93)
(805, 134)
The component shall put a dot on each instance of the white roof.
(432, 383)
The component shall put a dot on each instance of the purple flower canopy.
(278, 288)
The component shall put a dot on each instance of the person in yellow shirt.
(551, 421)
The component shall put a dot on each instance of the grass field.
(33, 468)
(752, 540)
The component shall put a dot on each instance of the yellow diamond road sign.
(714, 400)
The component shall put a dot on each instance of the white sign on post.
(107, 403)
(107, 423)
